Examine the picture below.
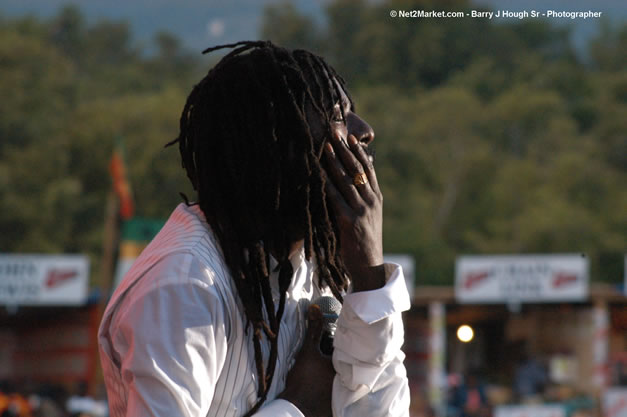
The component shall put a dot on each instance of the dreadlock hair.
(248, 150)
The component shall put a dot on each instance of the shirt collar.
(296, 260)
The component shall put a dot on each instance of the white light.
(465, 333)
(215, 28)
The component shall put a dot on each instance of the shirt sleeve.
(172, 341)
(371, 379)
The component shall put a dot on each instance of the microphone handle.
(326, 344)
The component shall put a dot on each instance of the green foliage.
(490, 138)
(288, 28)
(68, 91)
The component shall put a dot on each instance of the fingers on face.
(341, 181)
(345, 152)
(340, 206)
(366, 165)
(345, 164)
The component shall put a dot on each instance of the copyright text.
(497, 14)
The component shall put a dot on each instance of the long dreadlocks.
(248, 149)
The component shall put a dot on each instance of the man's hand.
(357, 202)
(310, 381)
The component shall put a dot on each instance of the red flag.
(121, 186)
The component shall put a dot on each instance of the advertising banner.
(615, 402)
(37, 280)
(521, 278)
(530, 411)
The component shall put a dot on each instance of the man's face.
(349, 124)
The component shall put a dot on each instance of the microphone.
(330, 308)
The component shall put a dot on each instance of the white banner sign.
(530, 411)
(615, 402)
(522, 278)
(34, 280)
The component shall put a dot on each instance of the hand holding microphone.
(310, 381)
(330, 308)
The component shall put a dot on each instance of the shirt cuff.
(372, 306)
(279, 408)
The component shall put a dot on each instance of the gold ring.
(360, 179)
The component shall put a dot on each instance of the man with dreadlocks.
(213, 319)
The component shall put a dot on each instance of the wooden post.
(437, 357)
(109, 245)
(600, 345)
(107, 263)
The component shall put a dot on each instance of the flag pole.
(109, 247)
(111, 234)
(119, 191)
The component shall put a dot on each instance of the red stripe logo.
(57, 277)
(560, 279)
(474, 278)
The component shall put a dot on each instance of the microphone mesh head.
(329, 306)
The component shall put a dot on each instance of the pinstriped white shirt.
(173, 340)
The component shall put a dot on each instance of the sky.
(201, 23)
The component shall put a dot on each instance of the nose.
(359, 128)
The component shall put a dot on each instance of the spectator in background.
(80, 401)
(469, 399)
(81, 404)
(530, 379)
(12, 403)
(52, 401)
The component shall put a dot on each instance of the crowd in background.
(49, 400)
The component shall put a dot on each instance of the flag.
(121, 186)
(136, 234)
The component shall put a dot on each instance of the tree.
(283, 25)
(491, 138)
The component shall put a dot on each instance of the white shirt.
(173, 340)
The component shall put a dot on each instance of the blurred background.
(501, 151)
